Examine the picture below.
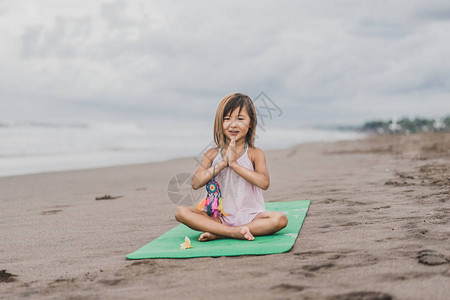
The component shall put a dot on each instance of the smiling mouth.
(234, 132)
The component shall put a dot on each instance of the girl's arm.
(204, 172)
(259, 177)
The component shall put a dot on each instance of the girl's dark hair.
(228, 105)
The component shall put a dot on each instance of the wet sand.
(377, 228)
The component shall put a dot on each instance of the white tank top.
(242, 201)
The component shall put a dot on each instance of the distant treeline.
(405, 125)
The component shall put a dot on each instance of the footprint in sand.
(325, 226)
(308, 254)
(381, 207)
(110, 282)
(141, 267)
(107, 197)
(361, 295)
(431, 258)
(397, 183)
(313, 268)
(288, 287)
(301, 273)
(404, 276)
(7, 277)
(350, 224)
(51, 212)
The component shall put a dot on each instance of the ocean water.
(36, 147)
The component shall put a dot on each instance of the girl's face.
(236, 125)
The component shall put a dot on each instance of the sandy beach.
(377, 228)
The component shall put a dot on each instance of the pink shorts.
(231, 221)
(236, 221)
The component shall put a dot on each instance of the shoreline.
(152, 161)
(377, 225)
(104, 149)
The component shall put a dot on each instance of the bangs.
(232, 105)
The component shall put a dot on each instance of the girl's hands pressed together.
(231, 152)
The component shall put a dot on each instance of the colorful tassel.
(201, 205)
(213, 200)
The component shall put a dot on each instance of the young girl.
(241, 172)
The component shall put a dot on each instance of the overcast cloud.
(320, 61)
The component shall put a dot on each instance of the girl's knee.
(281, 220)
(180, 212)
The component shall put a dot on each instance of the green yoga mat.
(168, 244)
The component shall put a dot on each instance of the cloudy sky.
(337, 62)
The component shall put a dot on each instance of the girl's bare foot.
(243, 233)
(208, 236)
